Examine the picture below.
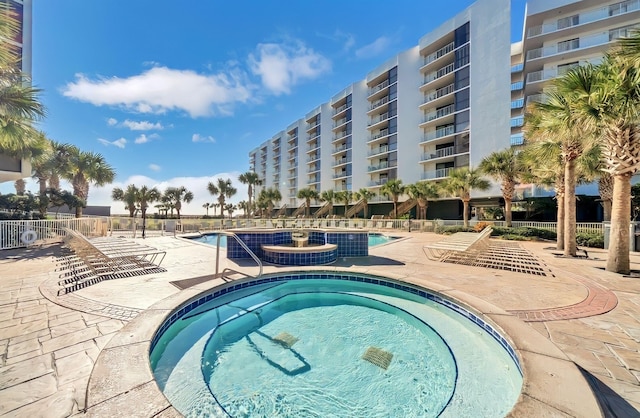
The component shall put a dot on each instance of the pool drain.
(378, 357)
(285, 339)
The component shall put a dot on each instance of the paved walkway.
(47, 349)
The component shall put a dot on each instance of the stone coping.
(288, 229)
(122, 383)
(304, 250)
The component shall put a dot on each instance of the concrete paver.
(48, 350)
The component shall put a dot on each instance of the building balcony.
(341, 148)
(517, 139)
(340, 175)
(536, 98)
(444, 153)
(439, 133)
(292, 137)
(518, 103)
(517, 122)
(379, 150)
(313, 125)
(378, 88)
(338, 110)
(378, 120)
(567, 46)
(585, 18)
(340, 135)
(377, 183)
(437, 114)
(432, 96)
(292, 146)
(312, 158)
(312, 147)
(435, 56)
(436, 174)
(378, 136)
(378, 103)
(339, 123)
(292, 157)
(384, 165)
(518, 85)
(516, 68)
(292, 176)
(436, 75)
(339, 162)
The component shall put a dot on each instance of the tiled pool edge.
(551, 382)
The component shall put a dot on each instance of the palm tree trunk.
(144, 223)
(465, 213)
(366, 210)
(618, 255)
(507, 212)
(606, 207)
(560, 225)
(570, 246)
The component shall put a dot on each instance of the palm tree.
(605, 188)
(207, 206)
(178, 195)
(365, 195)
(268, 197)
(84, 168)
(613, 109)
(345, 196)
(328, 196)
(393, 189)
(230, 207)
(307, 194)
(214, 206)
(460, 183)
(250, 178)
(224, 189)
(557, 119)
(423, 191)
(504, 166)
(128, 196)
(21, 187)
(146, 196)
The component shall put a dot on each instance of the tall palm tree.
(423, 191)
(345, 196)
(83, 169)
(128, 196)
(365, 195)
(328, 196)
(206, 206)
(269, 197)
(460, 183)
(146, 196)
(176, 196)
(393, 189)
(251, 179)
(613, 110)
(557, 118)
(504, 167)
(307, 194)
(224, 189)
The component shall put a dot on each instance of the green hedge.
(590, 239)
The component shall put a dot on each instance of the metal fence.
(16, 234)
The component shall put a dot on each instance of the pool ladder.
(227, 270)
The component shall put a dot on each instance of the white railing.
(379, 103)
(439, 73)
(379, 118)
(439, 133)
(439, 53)
(377, 88)
(340, 122)
(339, 109)
(379, 134)
(438, 93)
(447, 110)
(565, 46)
(18, 234)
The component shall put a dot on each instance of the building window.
(569, 45)
(462, 99)
(462, 56)
(462, 35)
(462, 78)
(565, 68)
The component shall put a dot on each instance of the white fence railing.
(17, 234)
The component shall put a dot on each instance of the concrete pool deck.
(49, 345)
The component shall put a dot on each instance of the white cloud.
(101, 196)
(112, 122)
(142, 125)
(162, 89)
(120, 143)
(143, 138)
(201, 138)
(154, 167)
(281, 66)
(374, 48)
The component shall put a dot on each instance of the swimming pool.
(332, 344)
(375, 238)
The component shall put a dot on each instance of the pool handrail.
(244, 246)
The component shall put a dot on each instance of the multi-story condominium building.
(15, 168)
(448, 102)
(559, 35)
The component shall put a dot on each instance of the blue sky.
(178, 93)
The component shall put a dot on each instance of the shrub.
(525, 232)
(448, 230)
(590, 239)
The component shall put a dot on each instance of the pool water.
(211, 239)
(295, 348)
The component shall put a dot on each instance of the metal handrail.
(244, 246)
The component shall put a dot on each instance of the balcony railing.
(518, 85)
(380, 166)
(517, 122)
(292, 146)
(439, 53)
(447, 110)
(439, 73)
(517, 139)
(443, 152)
(340, 135)
(377, 88)
(517, 104)
(312, 125)
(312, 158)
(438, 93)
(313, 147)
(587, 17)
(571, 45)
(379, 182)
(379, 102)
(378, 150)
(339, 162)
(379, 118)
(536, 98)
(437, 174)
(516, 68)
(340, 148)
(439, 133)
(340, 122)
(340, 175)
(541, 75)
(340, 109)
(381, 133)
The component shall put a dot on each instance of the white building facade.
(448, 102)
